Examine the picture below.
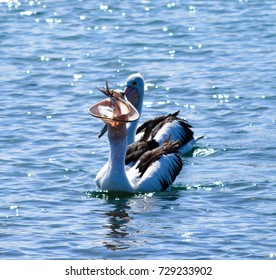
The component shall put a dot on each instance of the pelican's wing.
(157, 169)
(179, 130)
(149, 128)
(137, 149)
(160, 128)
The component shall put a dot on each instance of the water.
(213, 60)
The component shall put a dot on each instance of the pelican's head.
(134, 90)
(115, 109)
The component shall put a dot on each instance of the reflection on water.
(117, 221)
(125, 208)
(118, 218)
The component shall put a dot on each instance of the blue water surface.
(213, 60)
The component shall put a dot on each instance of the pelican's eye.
(134, 83)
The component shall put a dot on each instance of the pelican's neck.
(117, 153)
(131, 132)
(132, 127)
(116, 178)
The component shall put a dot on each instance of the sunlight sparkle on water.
(103, 7)
(170, 5)
(187, 236)
(27, 13)
(77, 77)
(203, 152)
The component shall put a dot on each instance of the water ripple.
(212, 60)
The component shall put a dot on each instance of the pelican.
(158, 128)
(152, 170)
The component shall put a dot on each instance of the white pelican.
(158, 128)
(152, 170)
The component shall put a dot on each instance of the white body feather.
(175, 131)
(116, 176)
(158, 174)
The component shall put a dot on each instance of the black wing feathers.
(135, 150)
(151, 127)
(153, 155)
